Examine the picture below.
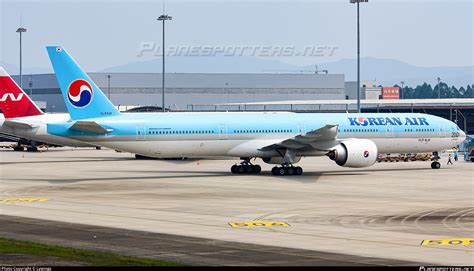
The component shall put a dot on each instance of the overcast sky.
(106, 33)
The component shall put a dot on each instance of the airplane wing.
(18, 124)
(326, 133)
(89, 127)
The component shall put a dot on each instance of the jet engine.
(278, 160)
(354, 153)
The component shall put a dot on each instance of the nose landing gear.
(246, 167)
(435, 164)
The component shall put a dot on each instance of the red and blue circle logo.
(362, 121)
(366, 154)
(80, 93)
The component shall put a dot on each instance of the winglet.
(82, 96)
(14, 102)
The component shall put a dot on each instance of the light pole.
(163, 18)
(401, 92)
(439, 90)
(227, 90)
(21, 30)
(358, 51)
(31, 86)
(108, 85)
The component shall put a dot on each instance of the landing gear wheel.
(435, 165)
(245, 167)
(31, 149)
(18, 148)
(287, 170)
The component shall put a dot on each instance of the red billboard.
(390, 93)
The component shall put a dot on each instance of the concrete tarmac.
(381, 212)
(181, 249)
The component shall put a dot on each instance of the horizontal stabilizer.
(18, 125)
(89, 127)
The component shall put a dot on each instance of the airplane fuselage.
(243, 134)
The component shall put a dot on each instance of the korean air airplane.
(22, 117)
(351, 140)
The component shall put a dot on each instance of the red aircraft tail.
(14, 102)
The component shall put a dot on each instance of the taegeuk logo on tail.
(80, 93)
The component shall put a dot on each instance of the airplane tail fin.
(82, 96)
(14, 102)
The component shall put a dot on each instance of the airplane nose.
(462, 135)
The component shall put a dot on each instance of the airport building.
(254, 92)
(371, 90)
(186, 89)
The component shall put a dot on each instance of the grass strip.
(86, 256)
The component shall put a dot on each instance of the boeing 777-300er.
(23, 118)
(350, 139)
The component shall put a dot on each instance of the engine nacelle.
(354, 153)
(278, 160)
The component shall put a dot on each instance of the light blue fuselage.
(241, 134)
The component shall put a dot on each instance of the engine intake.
(354, 153)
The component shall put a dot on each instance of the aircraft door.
(443, 130)
(141, 134)
(222, 131)
(389, 131)
(301, 128)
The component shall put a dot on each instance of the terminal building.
(186, 89)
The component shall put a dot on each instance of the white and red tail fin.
(14, 102)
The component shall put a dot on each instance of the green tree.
(469, 93)
(425, 91)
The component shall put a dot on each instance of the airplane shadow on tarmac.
(307, 177)
(108, 159)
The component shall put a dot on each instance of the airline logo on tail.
(12, 97)
(83, 98)
(80, 93)
(14, 103)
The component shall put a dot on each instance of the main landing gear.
(435, 164)
(28, 149)
(287, 169)
(246, 167)
(18, 148)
